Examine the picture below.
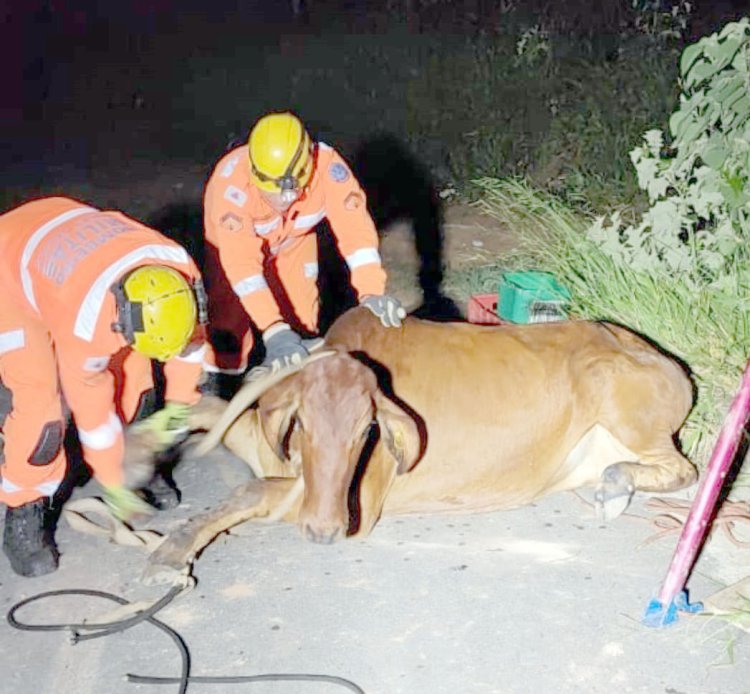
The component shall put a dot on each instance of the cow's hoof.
(613, 494)
(157, 573)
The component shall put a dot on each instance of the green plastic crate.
(531, 297)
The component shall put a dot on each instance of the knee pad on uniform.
(49, 444)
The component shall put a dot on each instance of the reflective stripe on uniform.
(212, 369)
(275, 250)
(364, 256)
(195, 357)
(34, 241)
(48, 488)
(306, 221)
(228, 168)
(263, 228)
(13, 339)
(96, 364)
(9, 487)
(88, 313)
(249, 285)
(311, 269)
(103, 436)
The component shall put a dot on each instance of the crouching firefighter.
(262, 208)
(87, 299)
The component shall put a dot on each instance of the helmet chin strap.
(289, 194)
(129, 314)
(201, 300)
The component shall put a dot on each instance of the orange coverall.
(58, 261)
(263, 266)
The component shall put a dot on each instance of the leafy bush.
(698, 223)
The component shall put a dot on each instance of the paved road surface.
(543, 599)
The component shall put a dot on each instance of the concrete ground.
(540, 599)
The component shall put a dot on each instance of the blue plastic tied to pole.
(661, 615)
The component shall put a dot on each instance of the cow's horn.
(247, 396)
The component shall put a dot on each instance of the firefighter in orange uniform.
(262, 205)
(88, 299)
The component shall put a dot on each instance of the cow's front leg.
(255, 499)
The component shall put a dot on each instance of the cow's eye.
(368, 430)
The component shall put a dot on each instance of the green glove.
(169, 425)
(125, 503)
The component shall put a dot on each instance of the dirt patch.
(471, 239)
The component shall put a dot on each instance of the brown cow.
(451, 417)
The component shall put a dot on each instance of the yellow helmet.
(281, 153)
(157, 311)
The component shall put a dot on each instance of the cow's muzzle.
(322, 536)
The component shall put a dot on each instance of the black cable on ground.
(243, 679)
(108, 628)
(99, 630)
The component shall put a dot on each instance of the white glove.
(284, 347)
(387, 308)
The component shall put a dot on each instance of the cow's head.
(333, 417)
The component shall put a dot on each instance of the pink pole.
(696, 526)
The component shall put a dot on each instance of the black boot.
(161, 492)
(28, 540)
(210, 384)
(220, 384)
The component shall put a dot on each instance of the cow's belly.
(403, 500)
(497, 483)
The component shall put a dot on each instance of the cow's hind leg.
(644, 398)
(256, 499)
(662, 469)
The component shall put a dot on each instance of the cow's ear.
(399, 432)
(277, 408)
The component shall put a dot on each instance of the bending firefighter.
(88, 299)
(263, 203)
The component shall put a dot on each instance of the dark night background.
(99, 97)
